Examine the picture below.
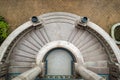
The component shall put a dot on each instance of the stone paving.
(105, 13)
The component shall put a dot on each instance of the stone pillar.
(29, 75)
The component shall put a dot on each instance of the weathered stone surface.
(103, 12)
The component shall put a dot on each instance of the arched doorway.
(59, 62)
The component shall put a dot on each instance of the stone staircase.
(24, 53)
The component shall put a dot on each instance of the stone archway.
(73, 51)
(59, 44)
